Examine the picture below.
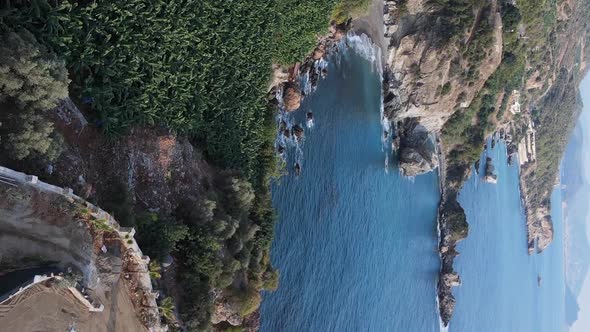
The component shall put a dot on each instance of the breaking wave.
(286, 143)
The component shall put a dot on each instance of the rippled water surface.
(500, 291)
(356, 246)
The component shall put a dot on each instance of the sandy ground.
(56, 310)
(372, 25)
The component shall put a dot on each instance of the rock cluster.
(453, 228)
(417, 151)
(291, 97)
(539, 229)
(225, 311)
(490, 172)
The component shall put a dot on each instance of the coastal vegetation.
(453, 18)
(532, 35)
(32, 80)
(553, 127)
(551, 141)
(196, 68)
(465, 131)
(346, 9)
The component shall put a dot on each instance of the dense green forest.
(466, 129)
(31, 81)
(199, 68)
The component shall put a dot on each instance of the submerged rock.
(511, 151)
(298, 132)
(284, 129)
(490, 175)
(297, 168)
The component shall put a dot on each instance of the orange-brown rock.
(291, 97)
(319, 52)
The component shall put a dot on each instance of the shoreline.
(372, 25)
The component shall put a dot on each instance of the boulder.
(319, 52)
(225, 311)
(291, 97)
(298, 132)
(417, 152)
(451, 279)
(490, 175)
(446, 307)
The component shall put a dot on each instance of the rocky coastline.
(420, 93)
(414, 72)
(421, 89)
(285, 90)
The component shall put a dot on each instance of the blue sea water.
(355, 246)
(500, 290)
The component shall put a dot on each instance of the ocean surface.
(500, 290)
(356, 245)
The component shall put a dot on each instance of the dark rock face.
(298, 132)
(511, 151)
(490, 175)
(297, 169)
(417, 152)
(453, 228)
(319, 52)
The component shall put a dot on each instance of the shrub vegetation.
(199, 68)
(31, 81)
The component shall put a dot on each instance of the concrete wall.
(39, 219)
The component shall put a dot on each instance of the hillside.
(159, 113)
(164, 114)
(462, 70)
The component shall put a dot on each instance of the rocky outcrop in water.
(490, 171)
(453, 228)
(298, 132)
(291, 97)
(417, 151)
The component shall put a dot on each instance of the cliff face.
(558, 109)
(456, 74)
(555, 105)
(424, 75)
(51, 224)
